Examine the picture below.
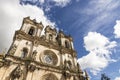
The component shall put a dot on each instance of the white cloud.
(117, 78)
(42, 1)
(101, 6)
(99, 48)
(77, 0)
(46, 4)
(103, 12)
(11, 16)
(62, 3)
(117, 29)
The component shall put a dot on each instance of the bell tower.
(33, 56)
(23, 40)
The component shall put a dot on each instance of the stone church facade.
(33, 56)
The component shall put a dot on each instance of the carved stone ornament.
(75, 78)
(18, 37)
(67, 65)
(34, 55)
(49, 77)
(66, 74)
(13, 49)
(36, 43)
(1, 64)
(62, 77)
(16, 74)
(31, 68)
(7, 63)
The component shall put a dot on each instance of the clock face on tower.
(49, 57)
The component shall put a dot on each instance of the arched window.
(66, 44)
(24, 52)
(31, 31)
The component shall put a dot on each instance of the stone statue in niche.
(13, 49)
(67, 64)
(16, 74)
(34, 55)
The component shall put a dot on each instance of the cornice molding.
(35, 64)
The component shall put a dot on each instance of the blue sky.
(93, 24)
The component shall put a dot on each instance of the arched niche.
(31, 31)
(24, 52)
(67, 45)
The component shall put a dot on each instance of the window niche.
(24, 52)
(67, 44)
(31, 31)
